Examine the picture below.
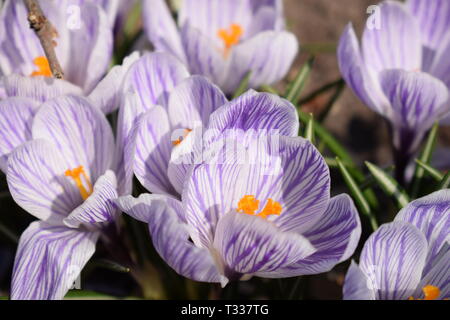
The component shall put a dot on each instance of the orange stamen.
(179, 140)
(76, 175)
(43, 66)
(430, 292)
(249, 204)
(230, 37)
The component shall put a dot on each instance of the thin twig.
(46, 33)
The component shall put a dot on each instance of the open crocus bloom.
(269, 216)
(166, 111)
(83, 47)
(408, 258)
(402, 69)
(61, 177)
(224, 40)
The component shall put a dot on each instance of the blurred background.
(318, 25)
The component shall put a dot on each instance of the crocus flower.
(83, 48)
(165, 106)
(402, 70)
(224, 40)
(238, 219)
(408, 258)
(63, 178)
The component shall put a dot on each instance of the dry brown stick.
(46, 33)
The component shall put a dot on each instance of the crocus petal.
(209, 16)
(396, 44)
(91, 46)
(153, 147)
(255, 111)
(184, 155)
(203, 57)
(287, 170)
(40, 89)
(430, 214)
(107, 93)
(393, 259)
(265, 19)
(16, 116)
(153, 77)
(79, 131)
(99, 207)
(252, 245)
(441, 64)
(335, 237)
(161, 28)
(276, 5)
(305, 185)
(193, 101)
(125, 148)
(417, 100)
(357, 285)
(48, 261)
(148, 83)
(438, 275)
(170, 236)
(268, 56)
(37, 183)
(433, 20)
(355, 74)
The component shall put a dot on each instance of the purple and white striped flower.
(408, 258)
(224, 40)
(167, 114)
(63, 178)
(83, 46)
(402, 70)
(237, 219)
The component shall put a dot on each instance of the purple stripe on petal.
(393, 259)
(37, 183)
(430, 214)
(79, 131)
(170, 236)
(16, 116)
(48, 261)
(249, 244)
(99, 207)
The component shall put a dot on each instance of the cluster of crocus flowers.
(216, 221)
(402, 69)
(165, 106)
(27, 80)
(83, 46)
(270, 215)
(408, 258)
(225, 40)
(63, 177)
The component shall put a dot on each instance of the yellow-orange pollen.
(76, 174)
(230, 37)
(43, 66)
(179, 140)
(249, 204)
(430, 293)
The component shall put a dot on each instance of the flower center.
(249, 204)
(43, 67)
(180, 139)
(77, 174)
(230, 37)
(430, 292)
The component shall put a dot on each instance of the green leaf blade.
(389, 185)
